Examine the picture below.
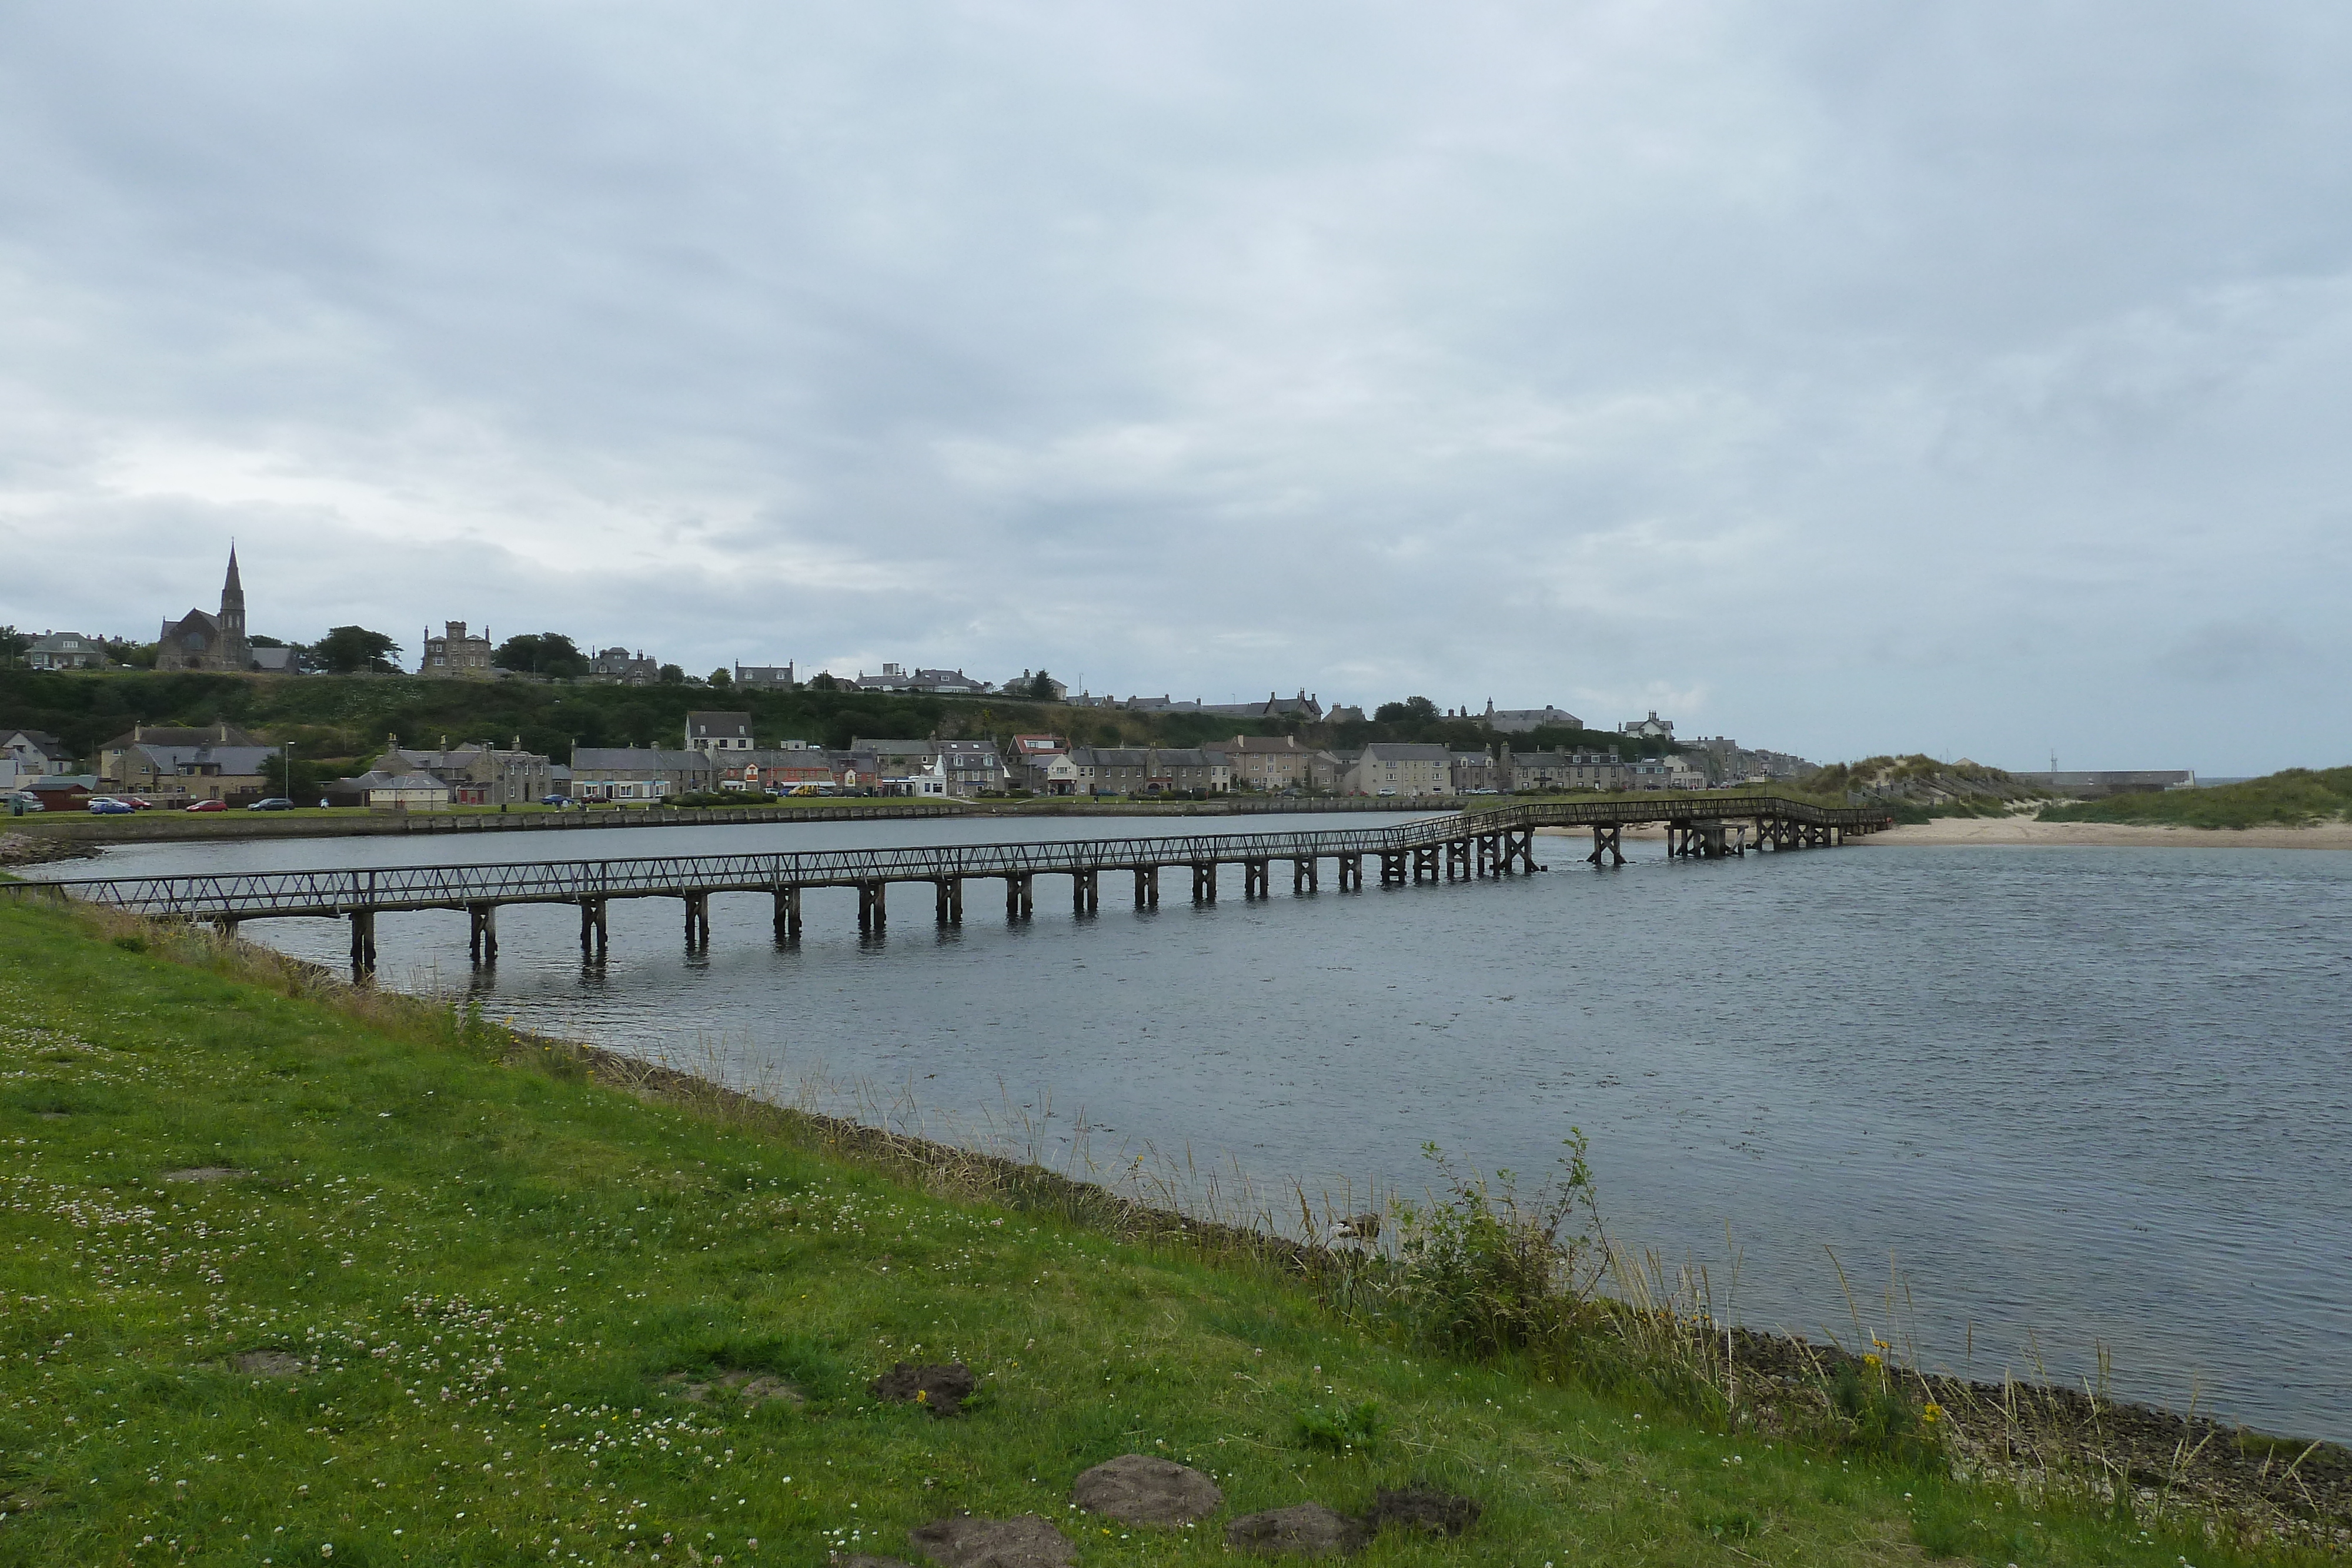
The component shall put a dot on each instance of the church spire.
(232, 611)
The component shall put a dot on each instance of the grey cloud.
(1861, 378)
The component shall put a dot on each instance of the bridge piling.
(1146, 887)
(1303, 872)
(873, 907)
(1352, 873)
(1605, 843)
(1082, 893)
(363, 942)
(698, 921)
(788, 913)
(593, 931)
(1205, 882)
(1254, 878)
(1017, 895)
(482, 933)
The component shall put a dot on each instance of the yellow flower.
(922, 1396)
(1931, 1413)
(1870, 1361)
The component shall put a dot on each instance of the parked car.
(108, 805)
(275, 803)
(555, 800)
(209, 806)
(139, 802)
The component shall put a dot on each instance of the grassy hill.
(2291, 799)
(299, 1274)
(344, 719)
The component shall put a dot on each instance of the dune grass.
(291, 1278)
(2291, 799)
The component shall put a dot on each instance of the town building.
(1650, 728)
(640, 773)
(1519, 720)
(454, 653)
(1474, 773)
(477, 773)
(210, 770)
(711, 733)
(1266, 762)
(892, 678)
(765, 677)
(1021, 687)
(117, 760)
(947, 683)
(972, 767)
(389, 789)
(65, 651)
(277, 661)
(1401, 768)
(618, 666)
(1567, 769)
(29, 754)
(1304, 707)
(217, 643)
(777, 770)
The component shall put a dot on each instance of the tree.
(299, 783)
(671, 676)
(1412, 710)
(1040, 687)
(13, 644)
(721, 679)
(541, 654)
(823, 682)
(350, 650)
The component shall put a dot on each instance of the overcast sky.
(1972, 379)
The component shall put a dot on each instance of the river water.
(2068, 1097)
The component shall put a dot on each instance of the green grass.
(501, 1276)
(2292, 799)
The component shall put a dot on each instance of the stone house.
(456, 653)
(640, 773)
(1519, 720)
(210, 770)
(1568, 769)
(65, 651)
(479, 773)
(765, 677)
(1401, 768)
(29, 754)
(618, 666)
(711, 733)
(1267, 762)
(114, 757)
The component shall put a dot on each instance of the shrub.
(1481, 1273)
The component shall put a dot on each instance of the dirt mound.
(941, 1390)
(1422, 1509)
(1304, 1530)
(1139, 1489)
(962, 1540)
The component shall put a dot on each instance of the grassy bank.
(297, 1275)
(2291, 799)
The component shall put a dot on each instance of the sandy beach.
(2026, 831)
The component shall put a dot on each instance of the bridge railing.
(232, 895)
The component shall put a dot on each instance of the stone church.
(201, 641)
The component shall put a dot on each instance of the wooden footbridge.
(1496, 841)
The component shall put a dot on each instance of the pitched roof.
(1405, 751)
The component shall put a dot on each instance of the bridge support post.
(873, 907)
(363, 942)
(1392, 867)
(948, 901)
(482, 936)
(1146, 887)
(226, 926)
(1352, 873)
(1205, 882)
(1458, 859)
(1607, 840)
(1520, 842)
(698, 921)
(592, 927)
(1082, 892)
(787, 914)
(1017, 904)
(1255, 879)
(1303, 873)
(1425, 863)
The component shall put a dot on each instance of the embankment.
(311, 1272)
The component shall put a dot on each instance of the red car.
(209, 806)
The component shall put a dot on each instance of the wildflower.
(1871, 1360)
(1931, 1413)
